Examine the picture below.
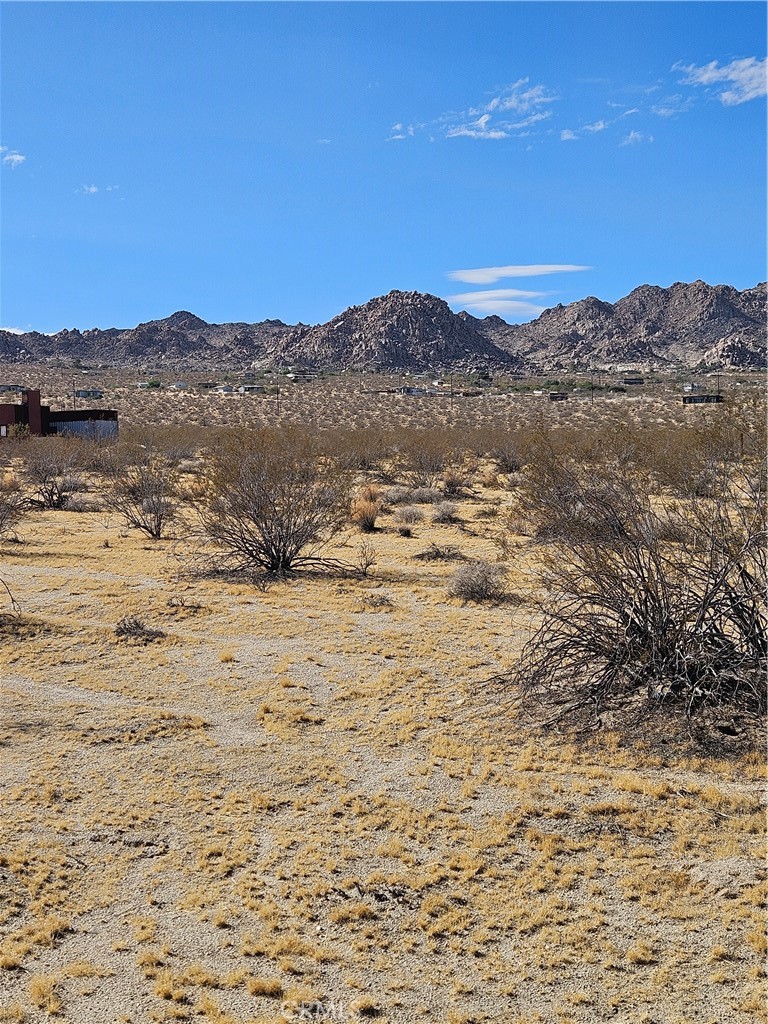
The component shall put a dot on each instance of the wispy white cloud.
(596, 126)
(489, 275)
(323, 142)
(495, 295)
(745, 78)
(504, 307)
(518, 97)
(13, 330)
(566, 135)
(635, 139)
(671, 106)
(401, 131)
(478, 129)
(92, 190)
(492, 120)
(11, 157)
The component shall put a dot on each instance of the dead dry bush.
(647, 608)
(274, 503)
(440, 553)
(143, 486)
(480, 582)
(133, 628)
(53, 470)
(446, 513)
(366, 508)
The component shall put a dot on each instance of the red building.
(43, 421)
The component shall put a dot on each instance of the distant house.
(702, 399)
(224, 389)
(634, 381)
(92, 393)
(179, 385)
(41, 420)
(14, 389)
(251, 389)
(558, 396)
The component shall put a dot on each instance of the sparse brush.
(407, 515)
(446, 513)
(133, 628)
(480, 582)
(455, 483)
(440, 553)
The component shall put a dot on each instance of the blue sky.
(276, 160)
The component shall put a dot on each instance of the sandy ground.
(298, 804)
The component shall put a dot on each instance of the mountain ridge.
(693, 324)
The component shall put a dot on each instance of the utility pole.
(591, 387)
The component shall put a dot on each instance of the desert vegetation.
(373, 720)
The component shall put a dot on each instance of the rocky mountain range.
(684, 325)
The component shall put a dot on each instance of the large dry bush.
(143, 486)
(647, 606)
(53, 468)
(274, 502)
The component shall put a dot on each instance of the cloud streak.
(489, 275)
(499, 300)
(500, 117)
(746, 79)
(11, 157)
(635, 139)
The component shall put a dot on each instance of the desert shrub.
(12, 504)
(506, 454)
(133, 628)
(479, 582)
(651, 608)
(399, 495)
(52, 468)
(559, 500)
(455, 483)
(440, 553)
(407, 515)
(424, 495)
(445, 513)
(365, 513)
(144, 489)
(274, 503)
(420, 460)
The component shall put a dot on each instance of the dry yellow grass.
(300, 798)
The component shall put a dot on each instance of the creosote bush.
(480, 582)
(52, 468)
(648, 606)
(273, 503)
(143, 488)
